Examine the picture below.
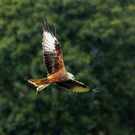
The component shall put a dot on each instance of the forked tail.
(40, 84)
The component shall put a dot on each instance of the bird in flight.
(53, 59)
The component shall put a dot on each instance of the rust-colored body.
(57, 76)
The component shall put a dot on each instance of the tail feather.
(40, 84)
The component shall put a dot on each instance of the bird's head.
(70, 76)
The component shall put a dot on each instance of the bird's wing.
(74, 85)
(52, 53)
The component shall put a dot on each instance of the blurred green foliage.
(97, 38)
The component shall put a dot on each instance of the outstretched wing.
(74, 85)
(52, 53)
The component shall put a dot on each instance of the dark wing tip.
(49, 28)
(45, 25)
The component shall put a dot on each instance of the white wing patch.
(48, 42)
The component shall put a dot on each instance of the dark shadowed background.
(98, 42)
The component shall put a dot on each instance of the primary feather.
(48, 42)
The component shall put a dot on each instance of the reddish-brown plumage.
(57, 76)
(53, 58)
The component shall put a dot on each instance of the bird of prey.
(53, 59)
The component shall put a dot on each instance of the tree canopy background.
(98, 42)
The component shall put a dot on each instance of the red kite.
(57, 73)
